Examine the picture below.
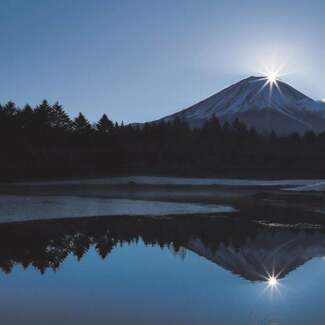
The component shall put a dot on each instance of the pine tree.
(42, 115)
(59, 119)
(8, 114)
(81, 124)
(104, 125)
(26, 118)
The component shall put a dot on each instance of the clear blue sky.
(138, 60)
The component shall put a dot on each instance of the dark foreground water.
(175, 270)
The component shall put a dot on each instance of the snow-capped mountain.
(269, 252)
(259, 104)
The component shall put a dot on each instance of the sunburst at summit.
(272, 77)
(264, 102)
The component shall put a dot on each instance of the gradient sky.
(138, 60)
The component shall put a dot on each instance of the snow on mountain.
(268, 253)
(259, 104)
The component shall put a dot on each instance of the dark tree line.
(45, 142)
(46, 244)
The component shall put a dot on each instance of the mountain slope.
(267, 253)
(261, 105)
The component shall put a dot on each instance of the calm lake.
(157, 255)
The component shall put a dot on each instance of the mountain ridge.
(279, 252)
(260, 104)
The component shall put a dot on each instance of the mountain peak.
(254, 78)
(260, 104)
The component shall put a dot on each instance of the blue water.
(91, 252)
(152, 283)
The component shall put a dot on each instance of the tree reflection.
(248, 249)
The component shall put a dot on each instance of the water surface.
(161, 250)
(184, 270)
(15, 208)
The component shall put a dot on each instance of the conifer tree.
(81, 124)
(59, 118)
(104, 125)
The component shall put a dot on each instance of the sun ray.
(271, 75)
(272, 281)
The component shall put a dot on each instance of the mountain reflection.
(248, 249)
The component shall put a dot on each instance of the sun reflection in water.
(273, 284)
(272, 281)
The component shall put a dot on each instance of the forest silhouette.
(45, 244)
(44, 142)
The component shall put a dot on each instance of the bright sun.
(272, 281)
(272, 77)
(272, 74)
